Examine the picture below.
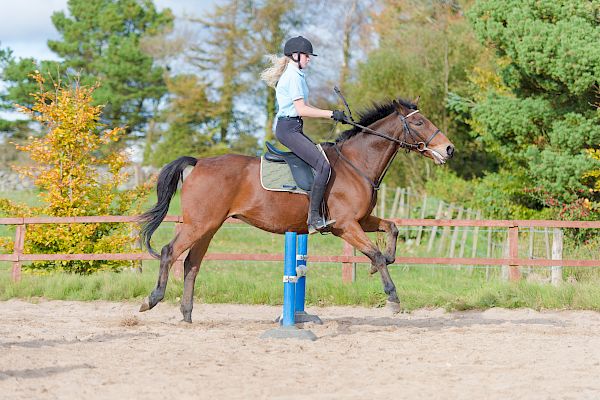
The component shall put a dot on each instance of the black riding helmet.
(298, 44)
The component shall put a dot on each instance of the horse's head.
(422, 135)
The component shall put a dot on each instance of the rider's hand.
(339, 116)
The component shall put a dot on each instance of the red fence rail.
(347, 258)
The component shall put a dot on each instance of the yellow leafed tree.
(78, 173)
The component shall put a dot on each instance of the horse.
(228, 186)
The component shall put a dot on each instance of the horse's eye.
(419, 122)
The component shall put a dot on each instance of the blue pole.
(302, 252)
(289, 273)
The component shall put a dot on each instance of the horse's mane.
(373, 114)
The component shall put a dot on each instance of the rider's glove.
(339, 116)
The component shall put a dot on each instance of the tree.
(12, 129)
(189, 118)
(68, 159)
(224, 53)
(100, 41)
(544, 126)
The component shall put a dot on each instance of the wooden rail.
(348, 259)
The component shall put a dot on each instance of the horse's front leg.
(354, 235)
(375, 224)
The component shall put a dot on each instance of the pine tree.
(546, 124)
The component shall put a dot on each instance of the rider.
(288, 77)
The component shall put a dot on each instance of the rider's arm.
(305, 110)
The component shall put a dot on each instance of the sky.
(25, 25)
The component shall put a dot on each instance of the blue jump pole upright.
(301, 270)
(289, 280)
(301, 254)
(288, 328)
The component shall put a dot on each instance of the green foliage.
(450, 187)
(189, 117)
(426, 49)
(544, 125)
(66, 168)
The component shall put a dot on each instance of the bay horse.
(228, 186)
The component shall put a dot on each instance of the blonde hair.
(272, 73)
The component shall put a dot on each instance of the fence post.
(18, 251)
(557, 252)
(348, 268)
(463, 240)
(446, 230)
(422, 216)
(547, 242)
(438, 215)
(401, 205)
(476, 235)
(531, 253)
(513, 253)
(455, 233)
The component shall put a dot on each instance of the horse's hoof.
(393, 307)
(187, 321)
(145, 305)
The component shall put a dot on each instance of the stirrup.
(320, 225)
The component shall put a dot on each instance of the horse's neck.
(371, 153)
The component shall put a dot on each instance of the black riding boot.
(317, 222)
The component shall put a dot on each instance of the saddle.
(284, 171)
(302, 172)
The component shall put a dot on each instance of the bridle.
(420, 146)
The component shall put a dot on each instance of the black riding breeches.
(289, 132)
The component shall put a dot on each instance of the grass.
(260, 282)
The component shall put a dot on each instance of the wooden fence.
(510, 259)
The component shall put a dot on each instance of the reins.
(418, 146)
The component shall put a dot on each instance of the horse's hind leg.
(168, 255)
(191, 266)
(354, 234)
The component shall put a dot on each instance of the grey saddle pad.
(276, 176)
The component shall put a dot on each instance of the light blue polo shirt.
(291, 86)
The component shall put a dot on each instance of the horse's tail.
(165, 189)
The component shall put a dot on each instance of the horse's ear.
(417, 100)
(396, 105)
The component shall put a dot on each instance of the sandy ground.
(101, 350)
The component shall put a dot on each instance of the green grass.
(260, 282)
